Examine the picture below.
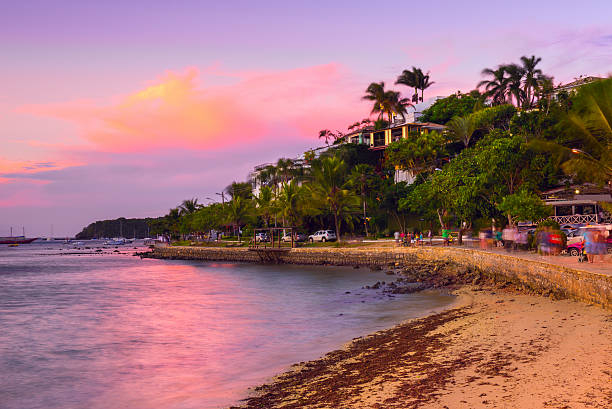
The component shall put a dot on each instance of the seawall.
(537, 275)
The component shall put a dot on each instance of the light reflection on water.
(113, 331)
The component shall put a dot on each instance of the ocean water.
(84, 328)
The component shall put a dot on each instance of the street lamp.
(591, 158)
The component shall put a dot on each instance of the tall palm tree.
(515, 83)
(544, 90)
(238, 212)
(242, 189)
(189, 206)
(290, 198)
(497, 86)
(462, 128)
(409, 79)
(265, 203)
(423, 82)
(360, 177)
(531, 77)
(383, 99)
(329, 191)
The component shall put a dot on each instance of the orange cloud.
(175, 111)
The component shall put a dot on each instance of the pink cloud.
(29, 169)
(176, 111)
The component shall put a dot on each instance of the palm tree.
(462, 128)
(265, 203)
(239, 211)
(289, 200)
(400, 105)
(423, 82)
(242, 189)
(497, 86)
(385, 102)
(531, 77)
(328, 190)
(589, 125)
(359, 178)
(189, 206)
(409, 79)
(544, 90)
(587, 154)
(515, 83)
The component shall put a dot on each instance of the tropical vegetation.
(505, 142)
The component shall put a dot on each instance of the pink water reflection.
(122, 332)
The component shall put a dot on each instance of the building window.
(379, 138)
(396, 134)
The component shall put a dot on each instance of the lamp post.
(591, 158)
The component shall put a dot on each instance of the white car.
(322, 235)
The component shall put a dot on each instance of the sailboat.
(16, 240)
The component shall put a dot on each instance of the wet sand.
(494, 349)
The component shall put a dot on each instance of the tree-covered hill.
(138, 228)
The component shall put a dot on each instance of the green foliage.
(243, 190)
(289, 203)
(589, 127)
(524, 206)
(462, 128)
(206, 218)
(329, 191)
(495, 117)
(352, 154)
(239, 211)
(443, 110)
(418, 154)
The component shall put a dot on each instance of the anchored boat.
(16, 240)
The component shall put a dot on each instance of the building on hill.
(380, 139)
(574, 85)
(578, 204)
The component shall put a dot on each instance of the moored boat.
(16, 240)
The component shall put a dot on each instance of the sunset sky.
(125, 108)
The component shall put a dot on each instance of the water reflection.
(114, 331)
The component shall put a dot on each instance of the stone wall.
(577, 284)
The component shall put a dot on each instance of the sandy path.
(495, 350)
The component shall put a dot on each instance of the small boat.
(115, 242)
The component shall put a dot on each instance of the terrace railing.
(577, 219)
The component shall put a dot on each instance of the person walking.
(590, 247)
(445, 237)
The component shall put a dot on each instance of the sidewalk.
(598, 266)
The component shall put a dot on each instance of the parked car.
(296, 237)
(575, 248)
(262, 237)
(570, 232)
(323, 235)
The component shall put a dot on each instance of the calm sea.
(84, 328)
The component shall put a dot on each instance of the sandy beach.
(496, 348)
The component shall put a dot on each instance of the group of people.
(594, 244)
(509, 238)
(549, 241)
(414, 238)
